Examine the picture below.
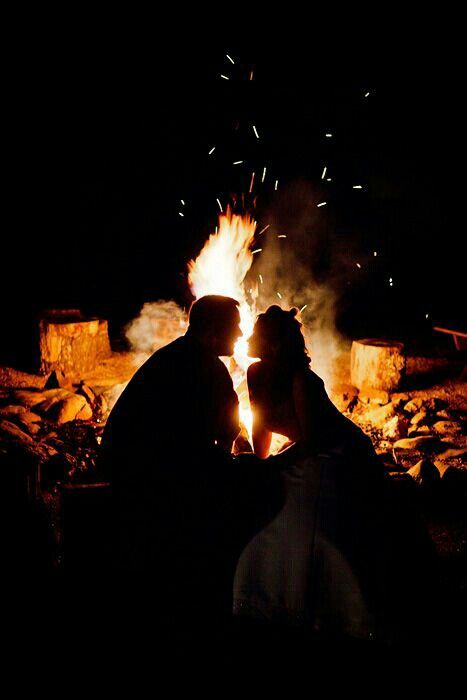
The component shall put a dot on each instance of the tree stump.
(377, 364)
(71, 343)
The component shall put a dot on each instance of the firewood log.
(72, 344)
(377, 364)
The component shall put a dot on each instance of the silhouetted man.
(183, 507)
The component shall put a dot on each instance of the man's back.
(170, 481)
(182, 509)
(179, 402)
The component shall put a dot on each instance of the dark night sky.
(102, 144)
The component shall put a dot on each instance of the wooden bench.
(459, 337)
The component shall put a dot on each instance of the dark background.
(103, 139)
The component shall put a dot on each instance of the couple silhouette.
(297, 537)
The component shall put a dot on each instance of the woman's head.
(277, 335)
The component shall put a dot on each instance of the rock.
(85, 413)
(446, 427)
(58, 380)
(52, 398)
(450, 474)
(10, 431)
(378, 417)
(444, 415)
(37, 398)
(454, 452)
(415, 430)
(343, 395)
(16, 379)
(28, 421)
(420, 418)
(418, 443)
(424, 472)
(68, 408)
(413, 406)
(399, 400)
(376, 396)
(30, 417)
(396, 428)
(435, 404)
(12, 410)
(31, 428)
(87, 392)
(101, 407)
(383, 446)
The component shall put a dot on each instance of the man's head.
(215, 321)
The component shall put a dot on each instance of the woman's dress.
(321, 562)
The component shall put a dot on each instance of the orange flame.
(221, 268)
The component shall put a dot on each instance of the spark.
(220, 205)
(303, 308)
(237, 162)
(181, 213)
(426, 315)
(261, 278)
(264, 174)
(375, 253)
(366, 94)
(252, 181)
(276, 185)
(182, 202)
(390, 280)
(324, 172)
(279, 295)
(256, 132)
(321, 204)
(357, 187)
(282, 236)
(212, 150)
(329, 179)
(251, 75)
(264, 229)
(359, 266)
(258, 250)
(230, 59)
(329, 136)
(225, 77)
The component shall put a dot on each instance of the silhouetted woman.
(322, 561)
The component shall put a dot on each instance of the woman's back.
(281, 398)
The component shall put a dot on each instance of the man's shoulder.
(172, 349)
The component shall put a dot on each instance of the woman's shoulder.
(255, 371)
(307, 379)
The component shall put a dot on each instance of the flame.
(221, 268)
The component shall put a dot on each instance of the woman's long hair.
(282, 332)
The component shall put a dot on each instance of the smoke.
(306, 268)
(158, 324)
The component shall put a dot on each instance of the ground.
(50, 464)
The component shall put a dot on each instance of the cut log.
(377, 364)
(72, 344)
